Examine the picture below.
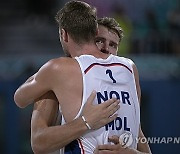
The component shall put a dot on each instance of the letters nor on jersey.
(111, 77)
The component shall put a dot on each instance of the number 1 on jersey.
(109, 72)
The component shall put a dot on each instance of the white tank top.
(111, 77)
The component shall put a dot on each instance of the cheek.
(99, 45)
(113, 51)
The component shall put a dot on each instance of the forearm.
(133, 151)
(29, 91)
(139, 152)
(117, 149)
(143, 147)
(46, 138)
(53, 138)
(20, 94)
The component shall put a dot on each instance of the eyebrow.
(100, 38)
(114, 43)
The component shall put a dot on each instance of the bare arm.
(35, 86)
(47, 138)
(136, 76)
(143, 147)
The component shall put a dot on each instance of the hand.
(113, 149)
(100, 115)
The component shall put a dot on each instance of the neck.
(87, 49)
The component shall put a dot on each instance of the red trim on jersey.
(107, 65)
(81, 146)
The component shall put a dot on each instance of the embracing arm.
(35, 86)
(136, 76)
(143, 147)
(45, 137)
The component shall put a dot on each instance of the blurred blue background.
(29, 37)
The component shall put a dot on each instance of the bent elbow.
(38, 147)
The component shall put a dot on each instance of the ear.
(64, 35)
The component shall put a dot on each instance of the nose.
(105, 49)
(105, 46)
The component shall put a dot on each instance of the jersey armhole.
(84, 88)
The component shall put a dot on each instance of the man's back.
(68, 86)
(111, 77)
(67, 83)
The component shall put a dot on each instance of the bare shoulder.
(58, 64)
(61, 63)
(62, 68)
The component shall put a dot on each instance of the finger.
(114, 104)
(114, 139)
(113, 108)
(106, 152)
(111, 118)
(96, 151)
(111, 112)
(104, 147)
(91, 97)
(109, 102)
(108, 147)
